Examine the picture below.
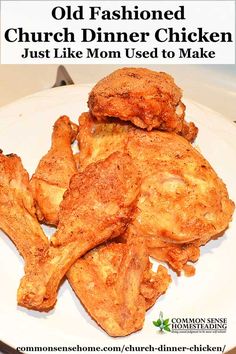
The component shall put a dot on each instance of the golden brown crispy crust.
(98, 199)
(154, 284)
(116, 285)
(52, 176)
(189, 131)
(182, 199)
(97, 206)
(97, 140)
(147, 98)
(177, 256)
(17, 211)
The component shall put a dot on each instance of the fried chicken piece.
(97, 206)
(17, 211)
(52, 176)
(182, 199)
(116, 285)
(147, 98)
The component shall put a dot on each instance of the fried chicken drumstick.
(147, 98)
(52, 176)
(116, 285)
(97, 206)
(17, 211)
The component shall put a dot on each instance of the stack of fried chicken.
(137, 188)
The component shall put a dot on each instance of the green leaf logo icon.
(162, 324)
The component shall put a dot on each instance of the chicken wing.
(147, 98)
(17, 211)
(116, 285)
(182, 199)
(52, 176)
(97, 206)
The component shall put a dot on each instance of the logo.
(162, 324)
(191, 325)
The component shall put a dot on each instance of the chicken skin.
(116, 285)
(182, 200)
(17, 212)
(147, 98)
(97, 206)
(52, 176)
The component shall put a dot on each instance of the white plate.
(25, 129)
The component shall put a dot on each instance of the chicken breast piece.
(116, 285)
(97, 206)
(147, 98)
(17, 211)
(52, 176)
(182, 199)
